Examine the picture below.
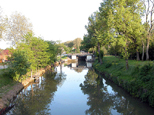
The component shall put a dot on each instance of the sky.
(53, 19)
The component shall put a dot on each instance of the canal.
(76, 90)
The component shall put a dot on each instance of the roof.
(5, 52)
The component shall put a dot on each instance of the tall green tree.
(77, 44)
(52, 51)
(127, 22)
(19, 64)
(69, 44)
(149, 22)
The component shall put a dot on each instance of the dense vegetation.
(32, 54)
(117, 29)
(124, 28)
(29, 53)
(138, 80)
(74, 45)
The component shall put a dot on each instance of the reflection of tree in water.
(78, 70)
(60, 77)
(80, 66)
(100, 100)
(127, 105)
(38, 99)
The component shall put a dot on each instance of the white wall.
(73, 64)
(89, 64)
(73, 56)
(89, 57)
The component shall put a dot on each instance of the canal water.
(76, 90)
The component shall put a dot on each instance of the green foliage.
(30, 55)
(19, 64)
(39, 51)
(138, 80)
(78, 50)
(52, 51)
(70, 44)
(145, 69)
(117, 27)
(108, 65)
(101, 53)
(63, 57)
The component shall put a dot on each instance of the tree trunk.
(126, 64)
(61, 69)
(115, 54)
(99, 53)
(126, 59)
(147, 49)
(60, 57)
(143, 51)
(137, 56)
(131, 56)
(93, 50)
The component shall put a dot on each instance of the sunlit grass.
(136, 80)
(62, 57)
(117, 67)
(5, 83)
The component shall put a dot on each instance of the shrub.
(144, 70)
(108, 65)
(18, 66)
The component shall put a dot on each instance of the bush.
(145, 69)
(108, 65)
(18, 66)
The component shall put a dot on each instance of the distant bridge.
(82, 56)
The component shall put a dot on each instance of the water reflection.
(110, 99)
(35, 98)
(80, 66)
(76, 91)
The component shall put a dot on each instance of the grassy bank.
(62, 57)
(6, 83)
(138, 80)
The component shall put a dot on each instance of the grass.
(138, 80)
(5, 83)
(62, 57)
(120, 64)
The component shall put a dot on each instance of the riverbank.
(138, 80)
(12, 90)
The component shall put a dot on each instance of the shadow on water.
(78, 90)
(35, 98)
(104, 97)
(80, 66)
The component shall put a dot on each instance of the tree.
(18, 27)
(3, 24)
(69, 44)
(149, 22)
(52, 51)
(77, 44)
(59, 48)
(19, 64)
(26, 47)
(40, 51)
(127, 24)
(86, 44)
